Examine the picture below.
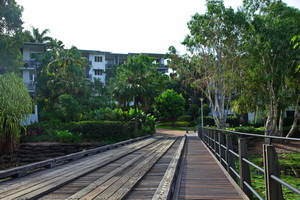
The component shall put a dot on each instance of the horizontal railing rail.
(24, 170)
(220, 143)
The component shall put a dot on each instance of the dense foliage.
(244, 61)
(169, 105)
(15, 105)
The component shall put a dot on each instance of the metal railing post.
(221, 149)
(229, 156)
(200, 132)
(244, 168)
(215, 142)
(273, 188)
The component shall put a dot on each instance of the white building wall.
(26, 53)
(97, 66)
(32, 117)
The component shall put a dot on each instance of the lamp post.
(201, 99)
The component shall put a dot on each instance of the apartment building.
(99, 61)
(29, 72)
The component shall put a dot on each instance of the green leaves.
(169, 105)
(15, 106)
(138, 80)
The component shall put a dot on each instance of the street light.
(201, 99)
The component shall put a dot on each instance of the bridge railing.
(220, 143)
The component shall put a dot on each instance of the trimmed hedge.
(103, 130)
(185, 118)
(177, 124)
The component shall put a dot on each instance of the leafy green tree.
(62, 72)
(272, 60)
(10, 36)
(169, 105)
(194, 111)
(15, 106)
(296, 40)
(137, 80)
(68, 109)
(10, 17)
(214, 44)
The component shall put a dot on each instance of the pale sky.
(118, 26)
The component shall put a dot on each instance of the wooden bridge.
(160, 167)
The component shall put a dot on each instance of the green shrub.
(248, 129)
(207, 121)
(233, 121)
(185, 118)
(193, 111)
(103, 130)
(206, 110)
(177, 124)
(49, 137)
(68, 137)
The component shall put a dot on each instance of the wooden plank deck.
(202, 177)
(142, 170)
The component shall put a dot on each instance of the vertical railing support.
(244, 168)
(229, 156)
(200, 132)
(273, 189)
(221, 149)
(215, 142)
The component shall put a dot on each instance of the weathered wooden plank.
(164, 189)
(120, 189)
(203, 177)
(97, 184)
(51, 181)
(23, 170)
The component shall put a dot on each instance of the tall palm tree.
(136, 80)
(40, 37)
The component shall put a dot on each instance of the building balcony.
(30, 64)
(108, 65)
(31, 86)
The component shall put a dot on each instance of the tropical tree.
(62, 73)
(137, 80)
(39, 37)
(272, 60)
(15, 106)
(169, 105)
(296, 41)
(10, 17)
(214, 44)
(11, 37)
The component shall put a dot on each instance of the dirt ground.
(280, 147)
(168, 132)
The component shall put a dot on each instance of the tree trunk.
(271, 123)
(296, 118)
(280, 131)
(135, 115)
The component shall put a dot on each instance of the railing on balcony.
(30, 86)
(30, 64)
(220, 142)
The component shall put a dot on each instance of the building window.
(98, 72)
(98, 58)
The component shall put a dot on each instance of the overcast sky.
(119, 26)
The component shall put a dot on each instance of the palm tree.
(40, 37)
(136, 80)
